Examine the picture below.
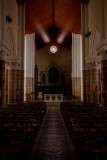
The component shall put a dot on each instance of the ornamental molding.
(4, 50)
(13, 62)
(102, 47)
(93, 61)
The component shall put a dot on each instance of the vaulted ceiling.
(53, 20)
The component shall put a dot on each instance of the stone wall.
(61, 60)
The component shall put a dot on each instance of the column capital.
(4, 50)
(93, 61)
(94, 65)
(13, 62)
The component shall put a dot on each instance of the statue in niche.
(53, 75)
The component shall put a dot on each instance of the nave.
(34, 131)
(53, 141)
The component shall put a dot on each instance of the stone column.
(13, 65)
(3, 20)
(93, 62)
(87, 79)
(87, 72)
(103, 59)
(3, 51)
(35, 81)
(12, 82)
(21, 39)
(85, 51)
(102, 52)
(94, 83)
(104, 79)
(2, 83)
(20, 86)
(76, 65)
(29, 66)
(99, 76)
(102, 23)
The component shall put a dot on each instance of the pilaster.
(21, 40)
(3, 20)
(94, 63)
(2, 83)
(102, 51)
(85, 51)
(4, 51)
(13, 65)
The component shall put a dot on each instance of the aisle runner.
(52, 143)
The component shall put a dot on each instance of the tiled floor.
(52, 142)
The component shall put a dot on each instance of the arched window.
(53, 75)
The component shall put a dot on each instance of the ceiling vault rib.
(56, 19)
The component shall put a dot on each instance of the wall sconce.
(88, 34)
(8, 18)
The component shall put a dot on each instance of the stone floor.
(52, 142)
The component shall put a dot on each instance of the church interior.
(53, 79)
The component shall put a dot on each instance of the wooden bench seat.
(87, 126)
(18, 126)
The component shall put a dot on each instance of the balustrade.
(53, 97)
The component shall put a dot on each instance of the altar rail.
(53, 97)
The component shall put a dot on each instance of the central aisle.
(52, 143)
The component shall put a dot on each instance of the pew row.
(87, 126)
(19, 125)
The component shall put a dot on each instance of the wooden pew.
(87, 126)
(18, 125)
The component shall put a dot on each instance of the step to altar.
(53, 104)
